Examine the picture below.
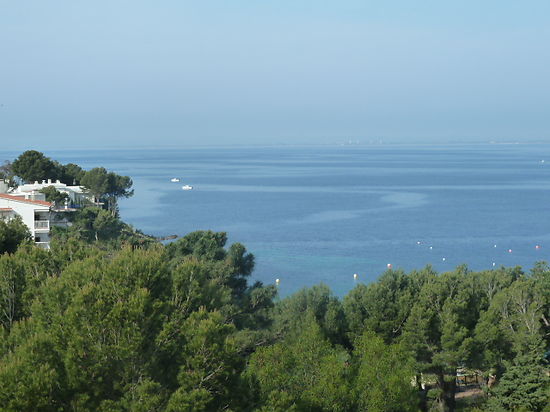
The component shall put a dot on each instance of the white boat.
(174, 180)
(187, 187)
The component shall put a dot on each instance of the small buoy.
(389, 266)
(494, 245)
(355, 275)
(443, 259)
(431, 247)
(537, 247)
(509, 250)
(277, 281)
(418, 242)
(494, 264)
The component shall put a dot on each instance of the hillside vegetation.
(95, 326)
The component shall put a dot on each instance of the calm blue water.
(321, 214)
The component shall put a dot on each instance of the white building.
(36, 214)
(77, 194)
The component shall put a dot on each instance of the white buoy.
(494, 245)
(277, 281)
(355, 275)
(537, 247)
(509, 250)
(418, 242)
(443, 259)
(431, 247)
(389, 265)
(494, 264)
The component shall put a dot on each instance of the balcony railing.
(42, 225)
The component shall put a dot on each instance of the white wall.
(25, 210)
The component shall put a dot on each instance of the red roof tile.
(22, 199)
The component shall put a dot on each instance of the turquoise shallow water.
(321, 214)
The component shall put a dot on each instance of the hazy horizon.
(218, 73)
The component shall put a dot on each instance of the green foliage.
(30, 376)
(109, 320)
(71, 174)
(200, 244)
(96, 181)
(304, 369)
(383, 376)
(384, 306)
(211, 365)
(107, 186)
(35, 166)
(524, 386)
(319, 301)
(512, 326)
(55, 196)
(13, 232)
(94, 223)
(124, 330)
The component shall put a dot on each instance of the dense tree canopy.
(104, 323)
(107, 186)
(35, 166)
(12, 233)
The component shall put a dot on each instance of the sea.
(341, 215)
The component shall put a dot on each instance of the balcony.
(42, 225)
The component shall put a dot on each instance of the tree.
(107, 186)
(319, 301)
(12, 233)
(93, 223)
(209, 376)
(30, 378)
(439, 332)
(71, 174)
(202, 244)
(55, 196)
(383, 375)
(96, 181)
(206, 272)
(35, 166)
(103, 316)
(119, 186)
(12, 287)
(385, 305)
(524, 386)
(304, 370)
(513, 324)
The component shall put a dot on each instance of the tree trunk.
(447, 384)
(423, 393)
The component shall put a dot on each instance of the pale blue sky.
(220, 72)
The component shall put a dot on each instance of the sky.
(108, 73)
